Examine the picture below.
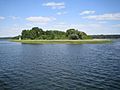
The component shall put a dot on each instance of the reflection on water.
(59, 67)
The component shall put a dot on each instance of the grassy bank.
(94, 41)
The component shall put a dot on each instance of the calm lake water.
(59, 66)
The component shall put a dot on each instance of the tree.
(25, 34)
(35, 32)
(71, 31)
(73, 36)
(38, 31)
(82, 35)
(75, 33)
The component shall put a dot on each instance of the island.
(71, 36)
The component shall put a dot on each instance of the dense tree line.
(38, 33)
(105, 36)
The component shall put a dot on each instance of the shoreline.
(91, 41)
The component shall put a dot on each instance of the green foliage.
(87, 37)
(71, 31)
(25, 34)
(73, 37)
(38, 33)
(75, 33)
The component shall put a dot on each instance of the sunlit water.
(59, 66)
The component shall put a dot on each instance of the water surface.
(59, 66)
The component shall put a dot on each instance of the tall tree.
(25, 34)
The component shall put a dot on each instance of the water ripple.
(59, 67)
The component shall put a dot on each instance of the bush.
(87, 37)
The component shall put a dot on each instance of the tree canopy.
(38, 33)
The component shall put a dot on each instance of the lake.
(59, 66)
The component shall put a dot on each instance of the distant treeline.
(38, 33)
(105, 36)
(6, 37)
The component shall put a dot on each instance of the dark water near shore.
(60, 66)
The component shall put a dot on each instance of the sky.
(91, 16)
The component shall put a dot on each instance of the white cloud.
(61, 13)
(14, 17)
(110, 16)
(40, 19)
(87, 12)
(55, 5)
(1, 18)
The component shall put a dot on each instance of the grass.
(92, 41)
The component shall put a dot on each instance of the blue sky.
(90, 16)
